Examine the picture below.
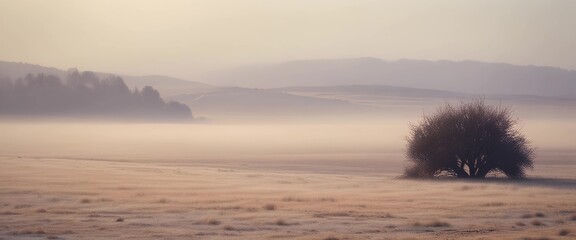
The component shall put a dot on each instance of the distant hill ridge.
(351, 86)
(464, 76)
(471, 77)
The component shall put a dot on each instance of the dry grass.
(327, 199)
(229, 228)
(331, 238)
(228, 205)
(104, 200)
(269, 207)
(527, 215)
(281, 222)
(211, 221)
(163, 200)
(532, 215)
(435, 223)
(493, 204)
(9, 213)
(20, 206)
(387, 215)
(539, 214)
(28, 232)
(536, 222)
(331, 214)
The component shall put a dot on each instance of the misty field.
(294, 119)
(277, 181)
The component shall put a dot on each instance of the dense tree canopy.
(85, 94)
(468, 141)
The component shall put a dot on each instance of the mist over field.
(286, 119)
(304, 161)
(364, 143)
(270, 179)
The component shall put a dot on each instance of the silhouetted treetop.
(85, 94)
(470, 140)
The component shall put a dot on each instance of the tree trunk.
(460, 172)
(482, 171)
(471, 170)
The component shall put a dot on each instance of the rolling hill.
(465, 76)
(360, 87)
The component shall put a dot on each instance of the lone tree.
(468, 141)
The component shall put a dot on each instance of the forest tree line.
(85, 94)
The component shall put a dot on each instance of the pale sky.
(183, 38)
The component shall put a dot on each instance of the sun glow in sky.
(184, 38)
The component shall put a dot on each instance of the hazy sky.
(181, 38)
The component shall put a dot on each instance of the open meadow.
(225, 181)
(287, 119)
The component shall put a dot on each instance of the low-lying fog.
(290, 174)
(379, 142)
